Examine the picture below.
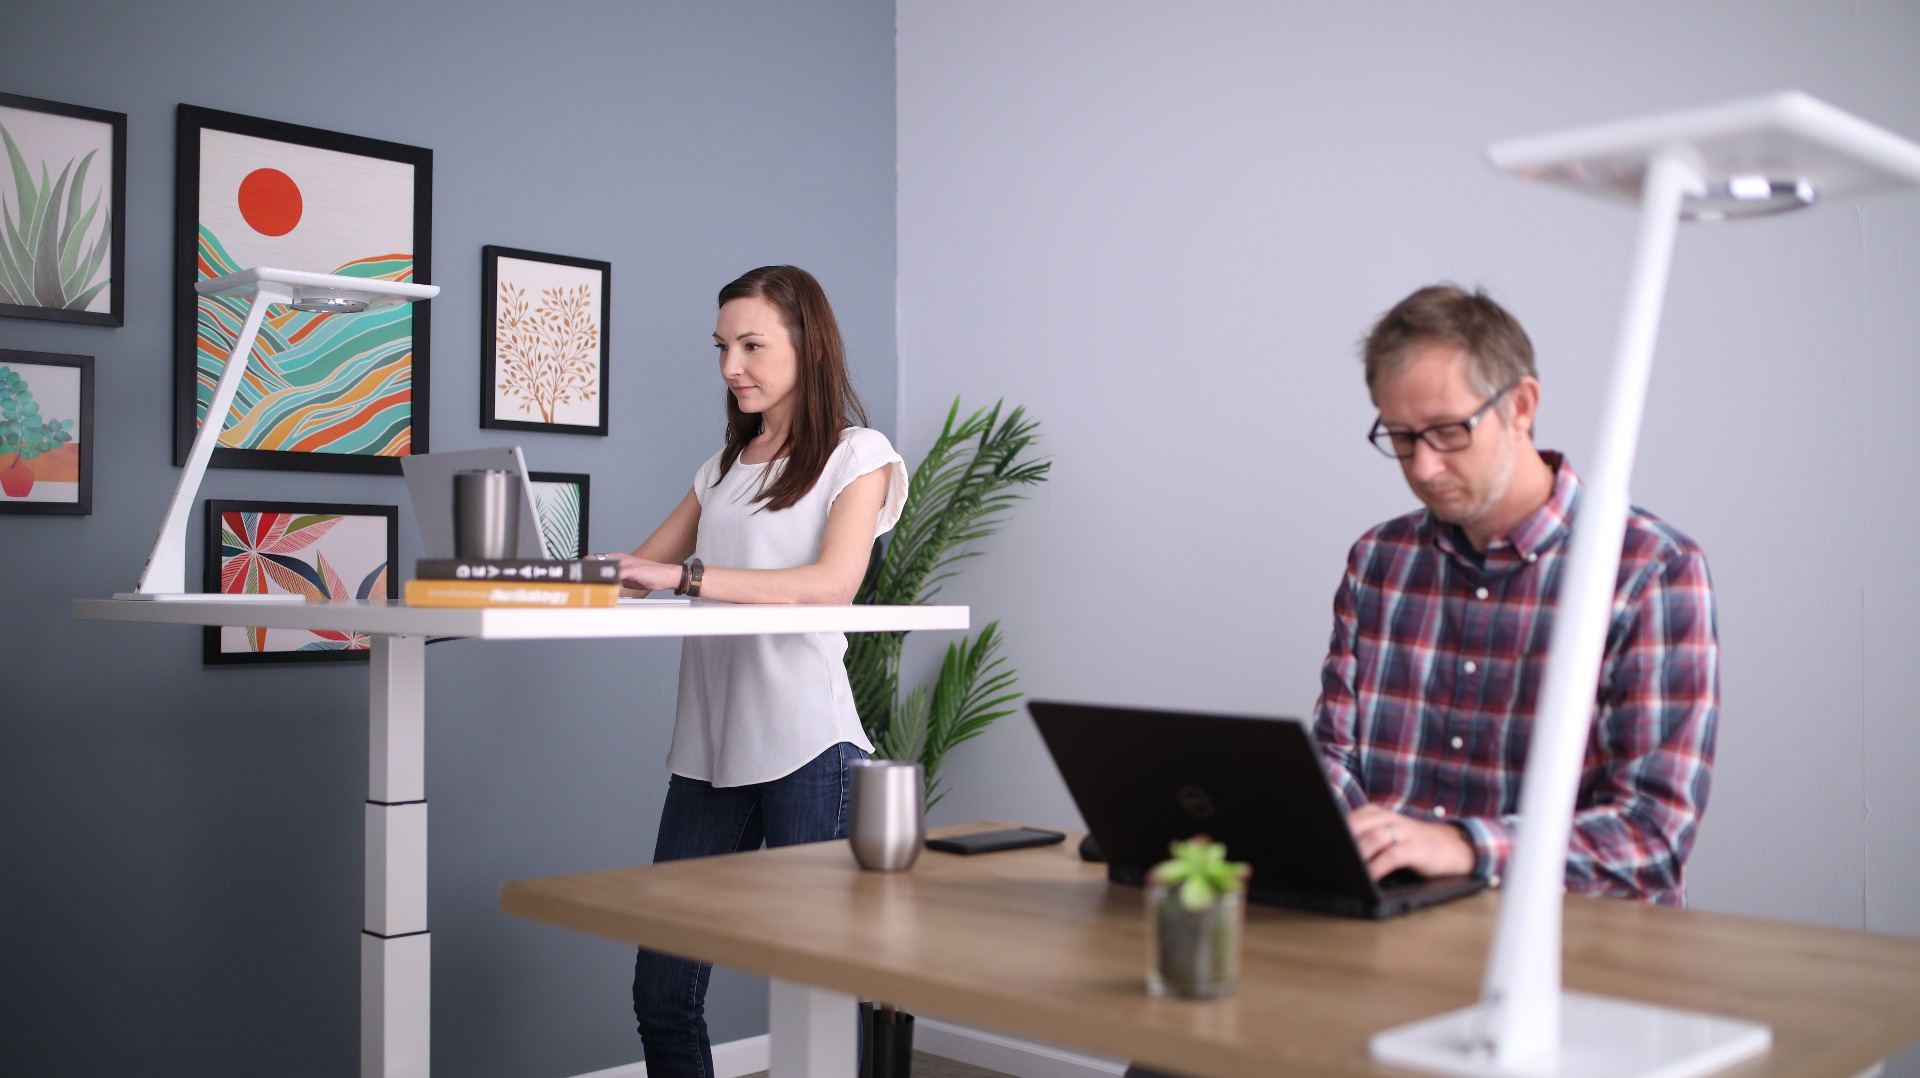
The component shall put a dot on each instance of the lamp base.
(1598, 1036)
(198, 596)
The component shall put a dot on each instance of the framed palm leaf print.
(560, 505)
(301, 550)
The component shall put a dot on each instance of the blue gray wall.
(183, 844)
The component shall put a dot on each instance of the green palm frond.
(961, 493)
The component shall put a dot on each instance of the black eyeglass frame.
(1389, 441)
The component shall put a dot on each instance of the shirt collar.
(1543, 529)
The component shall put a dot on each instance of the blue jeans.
(700, 820)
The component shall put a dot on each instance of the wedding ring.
(1393, 835)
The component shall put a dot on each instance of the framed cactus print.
(543, 341)
(312, 551)
(323, 392)
(560, 505)
(63, 197)
(46, 433)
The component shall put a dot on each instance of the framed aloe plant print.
(543, 341)
(324, 392)
(304, 550)
(46, 433)
(63, 197)
(560, 505)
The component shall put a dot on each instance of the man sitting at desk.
(1442, 621)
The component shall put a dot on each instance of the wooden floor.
(926, 1066)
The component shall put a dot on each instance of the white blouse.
(756, 708)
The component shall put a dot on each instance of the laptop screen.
(430, 490)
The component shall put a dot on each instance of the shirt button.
(1469, 666)
(1530, 556)
(1493, 880)
(1440, 810)
(1479, 593)
(1459, 742)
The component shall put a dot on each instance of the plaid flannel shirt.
(1428, 691)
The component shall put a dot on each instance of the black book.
(576, 571)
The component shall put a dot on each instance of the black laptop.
(1145, 778)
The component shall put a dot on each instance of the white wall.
(1163, 226)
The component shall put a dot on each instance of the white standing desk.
(395, 949)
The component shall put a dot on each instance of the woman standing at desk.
(786, 512)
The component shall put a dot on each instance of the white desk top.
(529, 623)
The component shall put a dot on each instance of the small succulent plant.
(1200, 870)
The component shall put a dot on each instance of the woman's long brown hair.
(827, 403)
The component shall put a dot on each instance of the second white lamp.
(1740, 160)
(165, 575)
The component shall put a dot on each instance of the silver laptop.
(430, 489)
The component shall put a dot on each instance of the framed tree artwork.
(63, 197)
(560, 505)
(301, 550)
(46, 433)
(544, 341)
(323, 392)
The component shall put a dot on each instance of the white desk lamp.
(1744, 159)
(165, 575)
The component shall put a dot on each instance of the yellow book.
(508, 593)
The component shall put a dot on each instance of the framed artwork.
(543, 341)
(560, 505)
(63, 197)
(323, 392)
(297, 549)
(46, 431)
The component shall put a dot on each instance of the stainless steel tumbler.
(888, 822)
(486, 514)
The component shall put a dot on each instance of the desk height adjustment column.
(395, 949)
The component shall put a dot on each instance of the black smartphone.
(992, 841)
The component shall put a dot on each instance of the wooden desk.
(395, 946)
(1036, 943)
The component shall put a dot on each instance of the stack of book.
(513, 582)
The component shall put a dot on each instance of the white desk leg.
(812, 1032)
(395, 950)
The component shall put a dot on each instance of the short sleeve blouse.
(756, 708)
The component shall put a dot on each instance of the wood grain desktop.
(1037, 943)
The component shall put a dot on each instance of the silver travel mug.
(486, 514)
(888, 824)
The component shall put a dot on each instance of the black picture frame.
(115, 231)
(499, 333)
(194, 124)
(281, 567)
(16, 490)
(546, 515)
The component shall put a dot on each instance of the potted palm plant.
(961, 493)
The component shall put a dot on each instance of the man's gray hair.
(1499, 353)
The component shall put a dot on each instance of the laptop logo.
(1195, 801)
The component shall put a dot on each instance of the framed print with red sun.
(322, 392)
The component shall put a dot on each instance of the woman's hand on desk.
(1390, 841)
(641, 575)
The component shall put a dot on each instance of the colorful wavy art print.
(329, 392)
(311, 552)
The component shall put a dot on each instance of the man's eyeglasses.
(1443, 437)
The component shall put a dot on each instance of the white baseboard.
(977, 1047)
(1009, 1055)
(734, 1059)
